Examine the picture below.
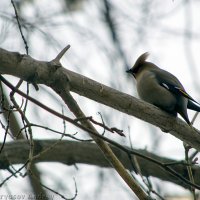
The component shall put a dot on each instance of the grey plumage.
(162, 88)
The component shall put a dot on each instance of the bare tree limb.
(107, 151)
(73, 152)
(41, 72)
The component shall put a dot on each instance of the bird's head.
(138, 64)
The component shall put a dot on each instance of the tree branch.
(41, 72)
(107, 151)
(72, 152)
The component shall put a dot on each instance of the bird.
(161, 88)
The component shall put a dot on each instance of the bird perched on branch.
(162, 88)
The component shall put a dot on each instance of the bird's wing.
(177, 90)
(171, 83)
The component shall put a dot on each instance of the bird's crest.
(141, 60)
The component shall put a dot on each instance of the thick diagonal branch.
(108, 153)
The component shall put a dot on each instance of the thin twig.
(112, 130)
(60, 55)
(104, 130)
(25, 120)
(47, 149)
(6, 132)
(52, 130)
(19, 26)
(54, 191)
(189, 169)
(194, 117)
(17, 171)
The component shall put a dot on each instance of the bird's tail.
(193, 106)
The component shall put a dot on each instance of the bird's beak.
(129, 71)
